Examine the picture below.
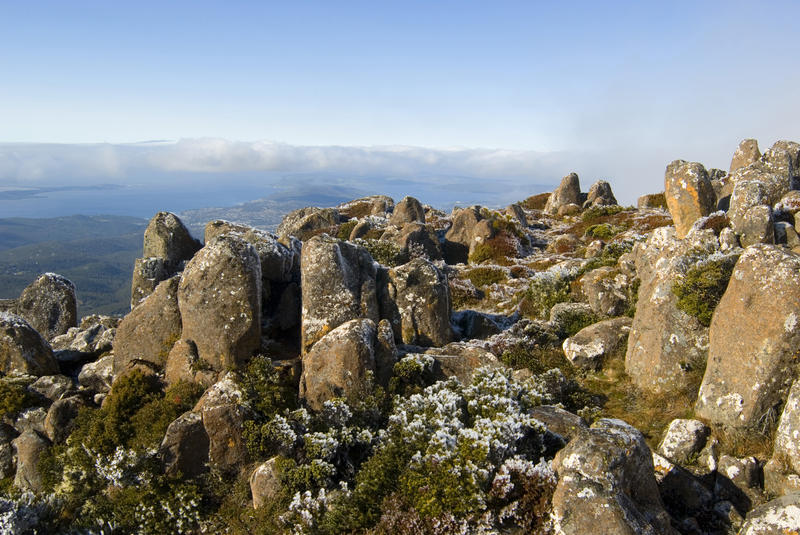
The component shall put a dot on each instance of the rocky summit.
(563, 365)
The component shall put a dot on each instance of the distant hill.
(94, 252)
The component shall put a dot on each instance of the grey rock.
(606, 290)
(746, 153)
(219, 297)
(683, 439)
(147, 274)
(757, 226)
(780, 516)
(339, 284)
(308, 222)
(98, 376)
(689, 194)
(52, 387)
(185, 447)
(265, 483)
(409, 210)
(782, 472)
(166, 237)
(568, 192)
(49, 304)
(223, 418)
(22, 349)
(29, 447)
(600, 194)
(592, 345)
(60, 418)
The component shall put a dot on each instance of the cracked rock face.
(219, 297)
(338, 285)
(568, 192)
(606, 484)
(166, 237)
(754, 337)
(338, 364)
(416, 300)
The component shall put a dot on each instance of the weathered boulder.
(782, 472)
(60, 418)
(409, 210)
(606, 484)
(49, 305)
(517, 213)
(458, 238)
(568, 192)
(780, 516)
(338, 282)
(683, 494)
(167, 237)
(600, 194)
(689, 194)
(593, 344)
(265, 483)
(749, 373)
(219, 297)
(338, 364)
(460, 360)
(308, 222)
(559, 421)
(98, 376)
(185, 447)
(147, 274)
(85, 342)
(22, 349)
(746, 153)
(757, 226)
(416, 301)
(277, 260)
(665, 343)
(415, 238)
(148, 332)
(183, 364)
(52, 387)
(372, 205)
(223, 418)
(683, 439)
(606, 290)
(29, 447)
(31, 419)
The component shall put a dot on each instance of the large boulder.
(277, 260)
(780, 516)
(98, 376)
(607, 290)
(223, 416)
(148, 332)
(338, 282)
(147, 274)
(49, 305)
(746, 153)
(666, 345)
(167, 237)
(416, 300)
(415, 238)
(754, 337)
(568, 192)
(606, 484)
(219, 297)
(600, 194)
(338, 364)
(593, 344)
(184, 449)
(365, 206)
(409, 210)
(458, 238)
(689, 194)
(30, 446)
(782, 472)
(757, 226)
(22, 349)
(308, 222)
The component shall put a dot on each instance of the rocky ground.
(565, 365)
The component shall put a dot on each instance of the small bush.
(385, 252)
(542, 293)
(594, 213)
(497, 249)
(701, 288)
(536, 202)
(603, 231)
(345, 229)
(14, 398)
(484, 276)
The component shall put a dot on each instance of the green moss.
(484, 276)
(497, 249)
(701, 288)
(603, 231)
(345, 229)
(14, 397)
(594, 213)
(385, 252)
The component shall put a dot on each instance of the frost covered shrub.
(265, 391)
(442, 453)
(699, 291)
(412, 373)
(594, 213)
(384, 252)
(543, 292)
(26, 514)
(498, 249)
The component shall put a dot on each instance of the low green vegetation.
(14, 397)
(485, 276)
(594, 213)
(497, 250)
(603, 231)
(701, 288)
(345, 229)
(543, 292)
(385, 252)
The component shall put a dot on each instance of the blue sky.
(629, 80)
